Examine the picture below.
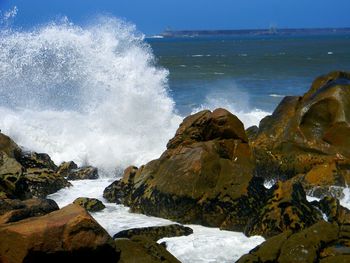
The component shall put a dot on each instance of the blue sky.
(153, 16)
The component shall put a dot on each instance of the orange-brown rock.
(69, 234)
(12, 210)
(26, 174)
(205, 176)
(304, 132)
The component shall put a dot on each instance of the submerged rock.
(69, 234)
(90, 204)
(307, 131)
(155, 232)
(205, 176)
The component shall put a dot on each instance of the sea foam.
(90, 94)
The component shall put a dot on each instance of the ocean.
(107, 96)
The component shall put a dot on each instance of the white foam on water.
(89, 94)
(228, 96)
(204, 245)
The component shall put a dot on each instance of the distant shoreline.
(254, 32)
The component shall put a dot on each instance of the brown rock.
(205, 175)
(143, 250)
(307, 131)
(15, 210)
(155, 232)
(83, 173)
(90, 204)
(67, 234)
(66, 167)
(304, 246)
(286, 209)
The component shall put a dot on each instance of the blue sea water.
(259, 70)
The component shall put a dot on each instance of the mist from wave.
(90, 94)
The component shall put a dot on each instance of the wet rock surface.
(155, 233)
(90, 204)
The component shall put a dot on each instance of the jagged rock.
(42, 182)
(309, 245)
(66, 168)
(90, 204)
(252, 132)
(120, 190)
(307, 131)
(205, 176)
(36, 160)
(334, 211)
(87, 172)
(286, 209)
(142, 250)
(69, 234)
(155, 232)
(15, 210)
(25, 175)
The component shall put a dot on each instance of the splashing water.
(89, 94)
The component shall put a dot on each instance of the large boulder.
(25, 174)
(156, 232)
(322, 242)
(205, 176)
(12, 210)
(307, 131)
(285, 209)
(69, 235)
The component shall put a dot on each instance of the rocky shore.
(212, 173)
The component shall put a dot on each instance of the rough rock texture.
(42, 182)
(12, 210)
(322, 242)
(142, 250)
(66, 167)
(334, 211)
(307, 131)
(90, 204)
(286, 209)
(69, 234)
(26, 174)
(83, 173)
(156, 232)
(205, 176)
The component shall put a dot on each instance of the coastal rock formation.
(285, 209)
(90, 204)
(69, 234)
(142, 250)
(12, 210)
(307, 131)
(322, 242)
(66, 167)
(205, 176)
(155, 232)
(26, 174)
(83, 173)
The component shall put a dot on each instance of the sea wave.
(90, 94)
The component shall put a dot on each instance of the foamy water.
(204, 245)
(93, 95)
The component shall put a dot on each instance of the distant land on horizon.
(168, 33)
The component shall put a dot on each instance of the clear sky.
(153, 16)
